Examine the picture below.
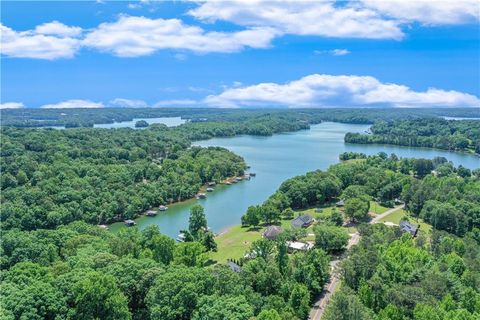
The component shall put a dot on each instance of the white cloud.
(318, 18)
(12, 105)
(58, 29)
(334, 52)
(176, 103)
(340, 52)
(139, 36)
(320, 90)
(31, 44)
(75, 103)
(428, 12)
(127, 103)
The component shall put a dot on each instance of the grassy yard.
(396, 216)
(233, 243)
(376, 208)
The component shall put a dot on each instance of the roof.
(295, 245)
(302, 221)
(235, 267)
(408, 227)
(271, 232)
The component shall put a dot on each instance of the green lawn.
(396, 216)
(233, 243)
(376, 208)
(326, 212)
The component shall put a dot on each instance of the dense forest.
(432, 133)
(53, 177)
(88, 117)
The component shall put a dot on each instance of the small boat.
(228, 183)
(238, 179)
(210, 189)
(151, 213)
(252, 174)
(180, 237)
(163, 208)
(201, 196)
(129, 223)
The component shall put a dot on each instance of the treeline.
(53, 177)
(432, 133)
(88, 117)
(390, 276)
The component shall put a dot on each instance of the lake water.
(275, 159)
(168, 121)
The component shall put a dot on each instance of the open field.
(396, 216)
(234, 242)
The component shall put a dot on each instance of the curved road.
(330, 287)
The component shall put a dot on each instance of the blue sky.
(233, 54)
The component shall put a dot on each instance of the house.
(406, 226)
(235, 267)
(272, 232)
(299, 246)
(302, 221)
(129, 223)
(340, 203)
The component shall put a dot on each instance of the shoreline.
(202, 189)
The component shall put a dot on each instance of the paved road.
(330, 287)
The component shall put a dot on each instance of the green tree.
(346, 306)
(356, 208)
(176, 292)
(251, 217)
(217, 307)
(97, 296)
(268, 315)
(330, 238)
(197, 221)
(300, 301)
(190, 254)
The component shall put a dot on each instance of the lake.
(275, 159)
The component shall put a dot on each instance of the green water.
(275, 159)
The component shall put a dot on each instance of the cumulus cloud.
(75, 103)
(320, 90)
(12, 105)
(139, 36)
(127, 103)
(316, 18)
(58, 29)
(428, 12)
(51, 41)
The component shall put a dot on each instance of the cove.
(275, 159)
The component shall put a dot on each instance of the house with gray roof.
(303, 221)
